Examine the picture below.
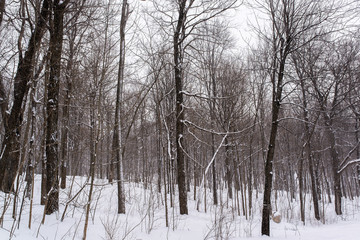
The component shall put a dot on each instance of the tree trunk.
(301, 189)
(215, 197)
(2, 10)
(329, 131)
(265, 225)
(357, 130)
(3, 100)
(159, 147)
(276, 104)
(66, 118)
(178, 69)
(92, 159)
(335, 164)
(11, 146)
(309, 152)
(228, 168)
(117, 138)
(52, 161)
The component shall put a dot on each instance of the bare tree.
(188, 15)
(305, 68)
(55, 50)
(10, 146)
(117, 143)
(289, 19)
(331, 92)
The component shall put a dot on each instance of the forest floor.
(145, 218)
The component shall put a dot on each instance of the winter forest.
(179, 119)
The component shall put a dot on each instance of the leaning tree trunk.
(265, 225)
(277, 81)
(10, 147)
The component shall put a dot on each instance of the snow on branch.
(199, 95)
(187, 154)
(349, 154)
(208, 166)
(348, 164)
(214, 132)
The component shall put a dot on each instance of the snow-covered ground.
(145, 218)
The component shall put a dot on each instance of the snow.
(145, 217)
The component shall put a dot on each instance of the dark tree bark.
(52, 111)
(301, 189)
(229, 170)
(308, 148)
(290, 19)
(179, 35)
(3, 103)
(212, 105)
(2, 10)
(357, 130)
(329, 131)
(305, 71)
(276, 104)
(43, 145)
(213, 170)
(66, 113)
(3, 97)
(117, 137)
(335, 163)
(92, 158)
(65, 134)
(10, 147)
(281, 50)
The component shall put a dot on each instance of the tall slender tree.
(117, 137)
(52, 107)
(289, 19)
